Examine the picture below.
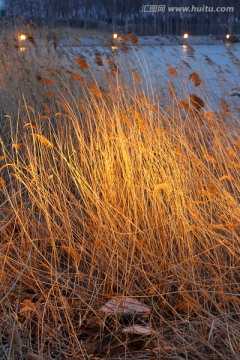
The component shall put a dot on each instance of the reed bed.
(110, 189)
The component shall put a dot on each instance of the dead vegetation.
(108, 193)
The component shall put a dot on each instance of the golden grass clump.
(115, 190)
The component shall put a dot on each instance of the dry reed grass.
(105, 192)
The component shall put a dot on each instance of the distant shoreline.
(143, 41)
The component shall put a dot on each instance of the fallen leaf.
(124, 306)
(139, 330)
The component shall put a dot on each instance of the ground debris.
(139, 330)
(125, 306)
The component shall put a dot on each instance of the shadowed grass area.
(106, 191)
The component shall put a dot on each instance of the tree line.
(140, 16)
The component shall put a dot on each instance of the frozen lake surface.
(218, 67)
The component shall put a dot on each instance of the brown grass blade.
(194, 76)
(2, 182)
(137, 77)
(77, 77)
(45, 81)
(172, 72)
(43, 140)
(81, 63)
(197, 102)
(132, 38)
(31, 124)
